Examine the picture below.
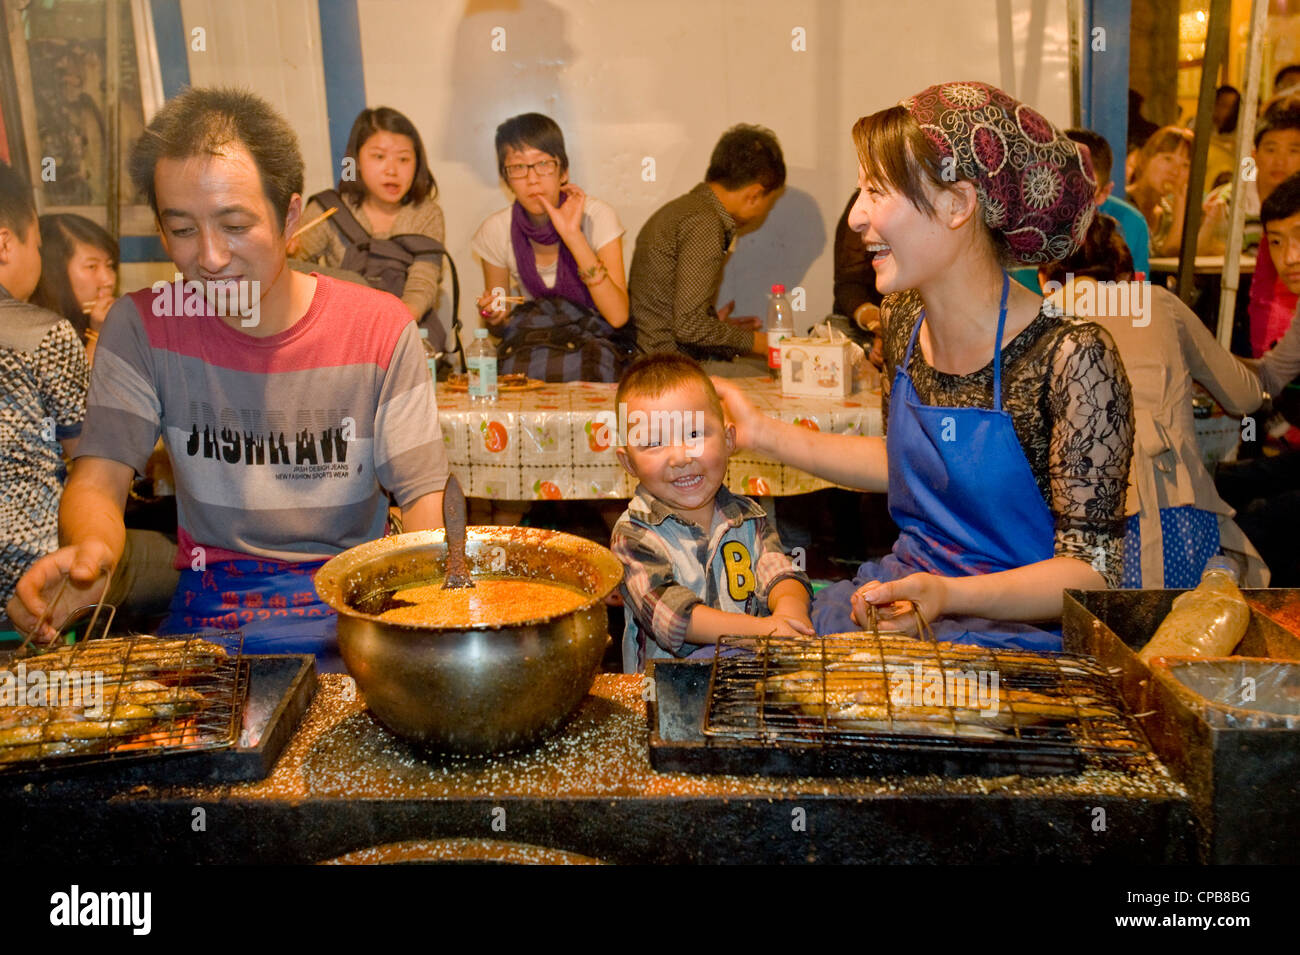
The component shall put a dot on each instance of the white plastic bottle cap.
(480, 333)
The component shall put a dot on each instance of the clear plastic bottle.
(430, 353)
(1206, 622)
(780, 324)
(481, 362)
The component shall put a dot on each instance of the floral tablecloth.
(549, 444)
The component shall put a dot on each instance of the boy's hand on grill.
(790, 626)
(899, 601)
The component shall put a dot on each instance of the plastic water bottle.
(430, 353)
(481, 360)
(780, 324)
(1206, 622)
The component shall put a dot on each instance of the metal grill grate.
(121, 698)
(873, 690)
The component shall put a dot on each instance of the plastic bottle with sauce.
(1206, 622)
(481, 362)
(780, 324)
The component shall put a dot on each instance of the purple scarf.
(567, 283)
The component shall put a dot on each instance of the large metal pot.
(483, 690)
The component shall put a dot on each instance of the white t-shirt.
(492, 244)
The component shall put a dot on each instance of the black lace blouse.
(1069, 399)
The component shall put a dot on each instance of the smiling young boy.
(700, 561)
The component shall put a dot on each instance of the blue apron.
(966, 502)
(273, 604)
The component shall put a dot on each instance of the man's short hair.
(1290, 70)
(745, 155)
(17, 207)
(1282, 203)
(1275, 120)
(652, 375)
(205, 122)
(1099, 152)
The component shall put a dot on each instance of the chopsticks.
(315, 222)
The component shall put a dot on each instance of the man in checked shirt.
(681, 250)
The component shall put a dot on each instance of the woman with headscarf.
(1009, 428)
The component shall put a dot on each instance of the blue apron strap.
(911, 342)
(997, 350)
(997, 347)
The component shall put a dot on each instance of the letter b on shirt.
(739, 566)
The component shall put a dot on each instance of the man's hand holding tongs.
(58, 584)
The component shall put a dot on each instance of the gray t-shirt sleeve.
(410, 459)
(123, 413)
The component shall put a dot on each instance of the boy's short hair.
(202, 122)
(746, 155)
(1282, 203)
(530, 131)
(1276, 120)
(17, 207)
(1099, 151)
(652, 375)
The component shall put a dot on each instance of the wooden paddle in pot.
(453, 519)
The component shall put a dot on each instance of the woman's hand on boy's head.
(740, 412)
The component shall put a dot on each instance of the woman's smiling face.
(898, 233)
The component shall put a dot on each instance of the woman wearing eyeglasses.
(559, 254)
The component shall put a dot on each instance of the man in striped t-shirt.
(290, 404)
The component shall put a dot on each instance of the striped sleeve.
(410, 460)
(123, 411)
(774, 565)
(662, 606)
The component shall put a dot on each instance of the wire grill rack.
(880, 690)
(121, 698)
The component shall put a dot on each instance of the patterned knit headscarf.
(1036, 186)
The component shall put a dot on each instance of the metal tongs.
(923, 629)
(72, 618)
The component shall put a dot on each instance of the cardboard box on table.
(817, 367)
